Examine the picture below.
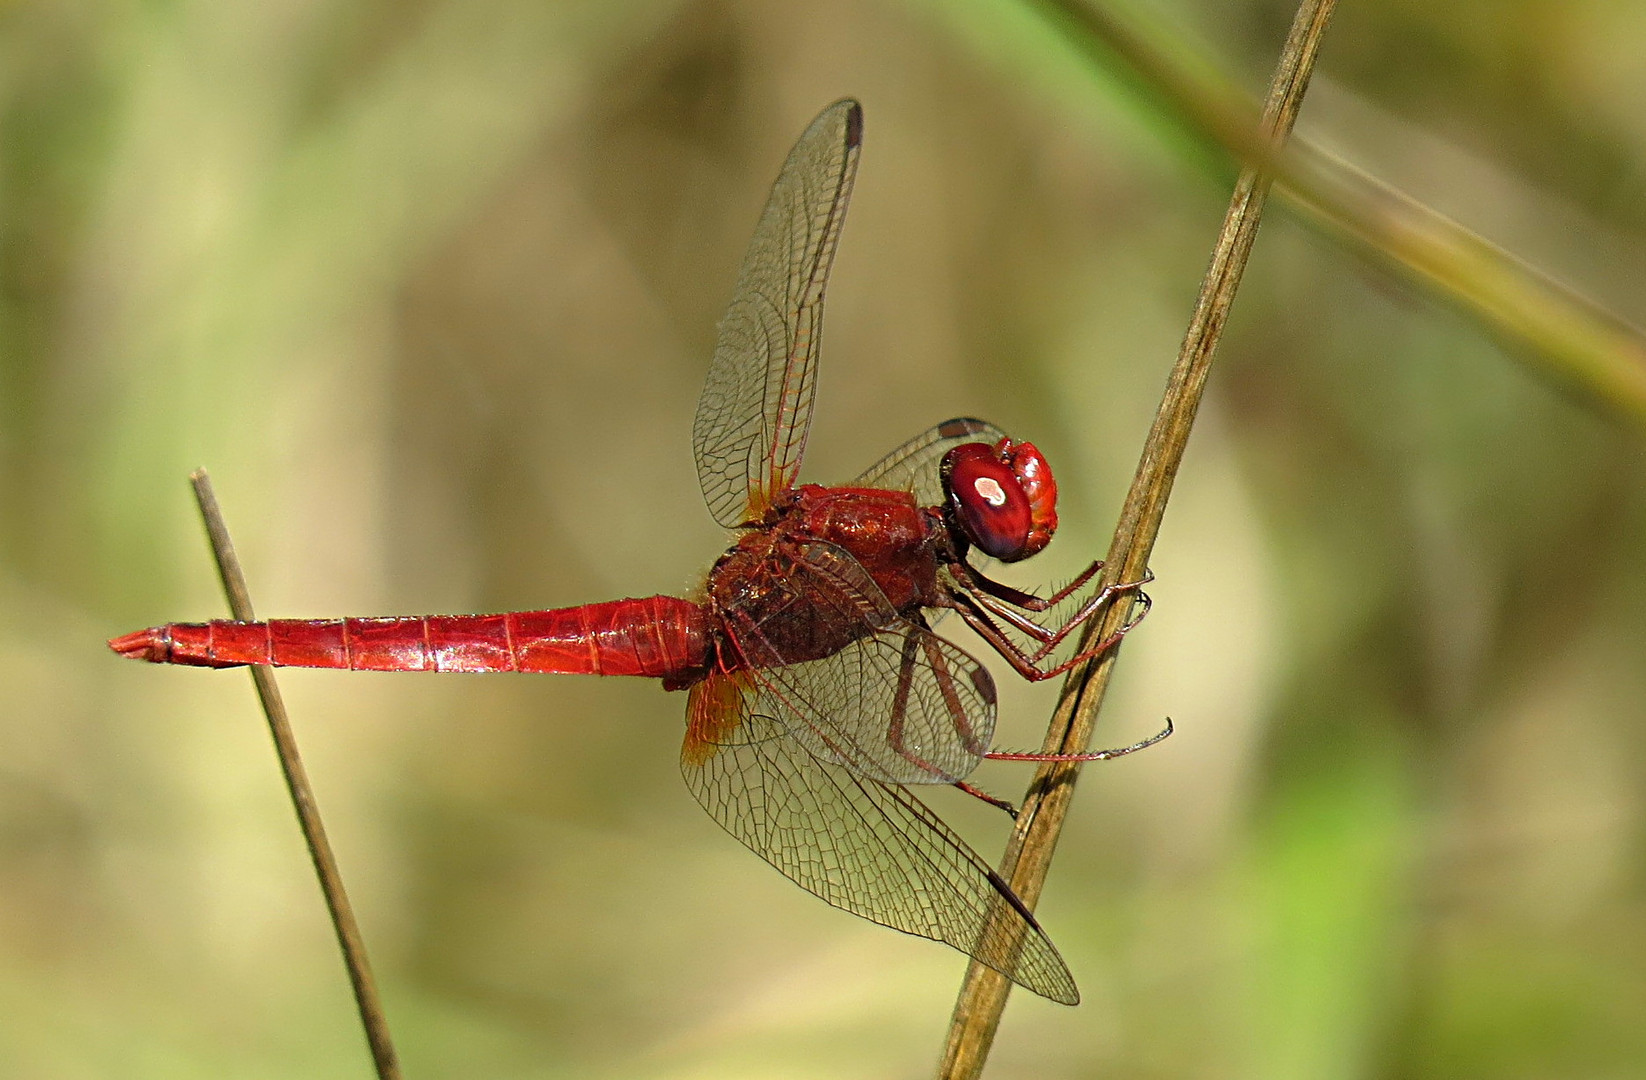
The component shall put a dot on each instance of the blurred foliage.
(431, 288)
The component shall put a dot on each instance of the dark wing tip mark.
(984, 684)
(961, 425)
(854, 124)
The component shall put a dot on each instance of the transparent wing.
(894, 703)
(914, 465)
(869, 848)
(756, 406)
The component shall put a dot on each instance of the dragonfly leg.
(900, 707)
(1017, 597)
(1026, 663)
(1090, 755)
(979, 793)
(952, 701)
(987, 599)
(951, 697)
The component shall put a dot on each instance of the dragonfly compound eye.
(1002, 496)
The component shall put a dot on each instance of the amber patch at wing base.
(714, 712)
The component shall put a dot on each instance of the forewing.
(872, 849)
(914, 465)
(897, 704)
(756, 406)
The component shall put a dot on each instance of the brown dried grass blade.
(1028, 856)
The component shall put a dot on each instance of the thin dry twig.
(1028, 856)
(302, 795)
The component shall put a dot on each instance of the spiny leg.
(1027, 664)
(1017, 597)
(979, 793)
(1090, 755)
(900, 707)
(951, 700)
(1049, 639)
(958, 719)
(987, 594)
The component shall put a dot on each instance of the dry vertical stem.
(302, 796)
(1028, 856)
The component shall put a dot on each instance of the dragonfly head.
(1002, 497)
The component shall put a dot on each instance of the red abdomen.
(659, 636)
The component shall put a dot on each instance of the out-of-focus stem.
(1559, 333)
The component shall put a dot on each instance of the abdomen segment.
(659, 636)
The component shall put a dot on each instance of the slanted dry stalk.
(349, 940)
(1562, 335)
(1028, 855)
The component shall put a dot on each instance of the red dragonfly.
(817, 691)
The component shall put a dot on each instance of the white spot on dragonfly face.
(991, 491)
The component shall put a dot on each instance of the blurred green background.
(431, 289)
